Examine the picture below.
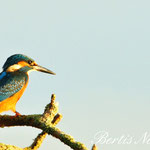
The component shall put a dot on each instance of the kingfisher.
(14, 79)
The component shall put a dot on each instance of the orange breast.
(10, 103)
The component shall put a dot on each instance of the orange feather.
(10, 103)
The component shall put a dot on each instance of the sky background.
(100, 51)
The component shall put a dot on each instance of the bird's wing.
(9, 86)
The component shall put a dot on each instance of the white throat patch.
(30, 71)
(13, 68)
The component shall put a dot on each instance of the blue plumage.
(11, 83)
(14, 59)
(2, 74)
(14, 79)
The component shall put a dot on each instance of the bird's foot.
(17, 114)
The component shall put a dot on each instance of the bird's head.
(19, 62)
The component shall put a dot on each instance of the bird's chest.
(11, 90)
(18, 84)
(11, 84)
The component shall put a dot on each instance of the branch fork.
(46, 122)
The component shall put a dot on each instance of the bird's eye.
(29, 62)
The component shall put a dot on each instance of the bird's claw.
(17, 114)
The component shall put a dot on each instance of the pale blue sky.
(100, 51)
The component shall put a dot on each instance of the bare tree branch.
(46, 122)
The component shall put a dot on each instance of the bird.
(14, 80)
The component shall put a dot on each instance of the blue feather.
(2, 75)
(14, 59)
(11, 83)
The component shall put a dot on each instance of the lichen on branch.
(46, 122)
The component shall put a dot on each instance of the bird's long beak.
(42, 69)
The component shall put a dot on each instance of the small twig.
(56, 119)
(50, 111)
(94, 147)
